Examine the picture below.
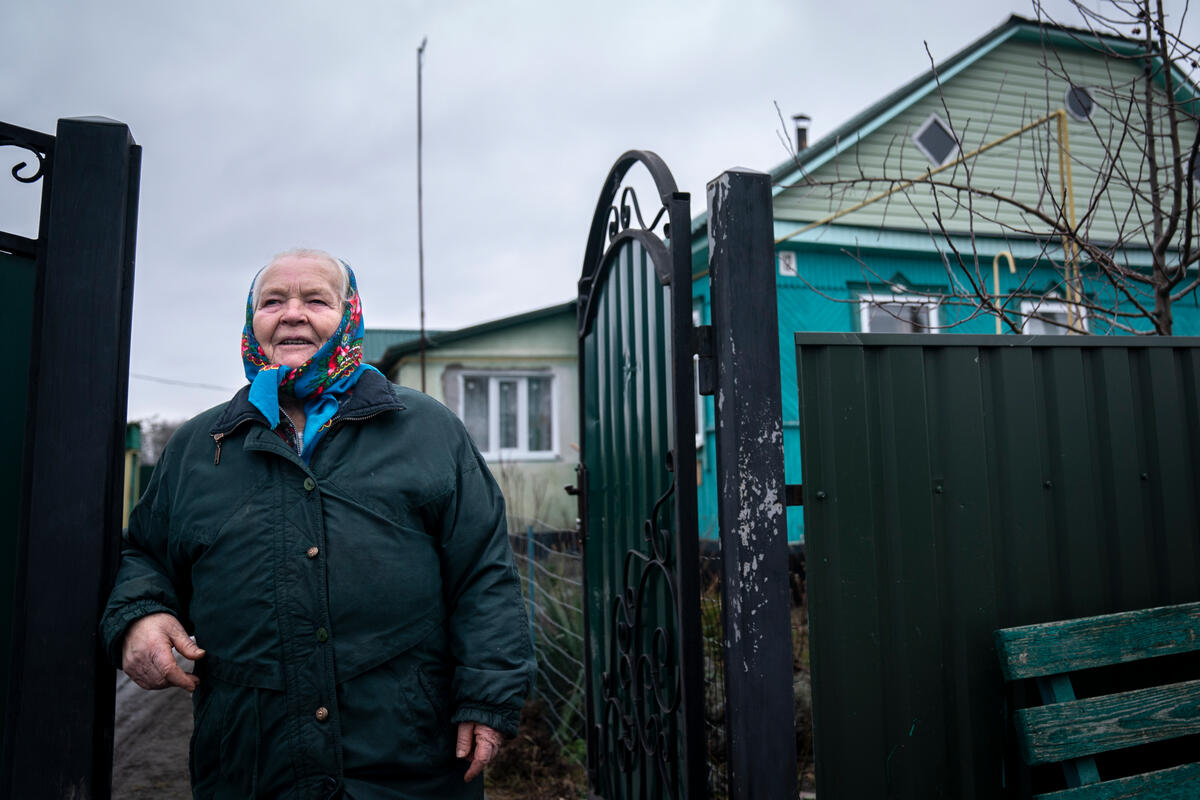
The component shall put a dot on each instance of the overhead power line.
(174, 382)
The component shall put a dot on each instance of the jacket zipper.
(334, 428)
(297, 437)
(220, 436)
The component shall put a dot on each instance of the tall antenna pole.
(420, 213)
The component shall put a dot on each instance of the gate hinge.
(702, 346)
(793, 494)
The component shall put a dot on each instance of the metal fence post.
(59, 718)
(756, 613)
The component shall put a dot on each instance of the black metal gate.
(69, 295)
(637, 486)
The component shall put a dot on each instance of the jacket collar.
(372, 395)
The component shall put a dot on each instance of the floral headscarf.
(332, 370)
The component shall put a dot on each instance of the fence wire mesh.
(714, 672)
(550, 563)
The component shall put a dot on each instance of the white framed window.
(1049, 313)
(510, 415)
(897, 313)
(935, 139)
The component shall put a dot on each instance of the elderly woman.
(338, 548)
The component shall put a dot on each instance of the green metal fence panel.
(627, 441)
(17, 276)
(959, 484)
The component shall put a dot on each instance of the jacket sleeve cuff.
(503, 720)
(116, 623)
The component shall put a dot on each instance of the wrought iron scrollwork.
(8, 139)
(641, 688)
(622, 213)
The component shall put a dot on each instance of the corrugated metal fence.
(958, 484)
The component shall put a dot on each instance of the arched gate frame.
(637, 486)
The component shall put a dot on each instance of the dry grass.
(532, 766)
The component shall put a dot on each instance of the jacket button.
(312, 552)
(322, 635)
(322, 714)
(309, 484)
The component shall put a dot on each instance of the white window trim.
(916, 138)
(1031, 307)
(495, 452)
(867, 301)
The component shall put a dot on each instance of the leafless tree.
(1116, 217)
(156, 431)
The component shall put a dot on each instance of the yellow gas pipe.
(1070, 252)
(1012, 269)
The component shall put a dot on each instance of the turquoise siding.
(823, 297)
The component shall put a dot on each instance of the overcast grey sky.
(279, 123)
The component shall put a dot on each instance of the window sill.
(511, 456)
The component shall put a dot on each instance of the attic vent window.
(1079, 102)
(935, 140)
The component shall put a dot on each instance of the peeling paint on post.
(759, 717)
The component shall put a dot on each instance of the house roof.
(376, 341)
(433, 340)
(873, 116)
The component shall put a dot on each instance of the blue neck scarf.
(320, 382)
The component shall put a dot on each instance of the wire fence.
(550, 563)
(714, 671)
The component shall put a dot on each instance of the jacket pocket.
(204, 749)
(435, 683)
(227, 741)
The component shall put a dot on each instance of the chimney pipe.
(801, 122)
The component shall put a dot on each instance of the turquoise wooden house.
(875, 234)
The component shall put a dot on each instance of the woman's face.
(299, 307)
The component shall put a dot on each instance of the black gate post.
(756, 612)
(59, 721)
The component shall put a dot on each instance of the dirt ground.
(150, 747)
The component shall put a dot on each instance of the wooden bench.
(1073, 731)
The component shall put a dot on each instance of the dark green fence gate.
(638, 496)
(68, 296)
(637, 486)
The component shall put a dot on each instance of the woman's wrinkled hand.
(146, 655)
(479, 743)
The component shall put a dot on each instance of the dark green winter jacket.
(353, 610)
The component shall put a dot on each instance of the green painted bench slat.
(1176, 783)
(1071, 731)
(1057, 647)
(1078, 728)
